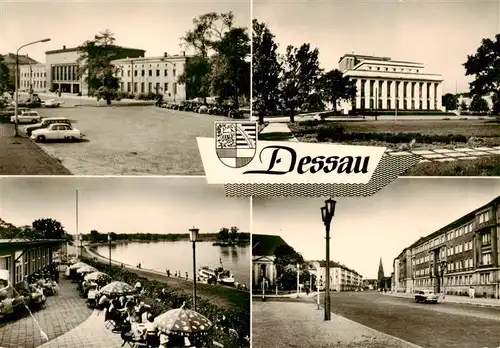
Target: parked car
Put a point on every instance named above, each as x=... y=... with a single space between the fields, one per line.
x=426 y=296
x=11 y=111
x=51 y=103
x=27 y=117
x=56 y=131
x=45 y=122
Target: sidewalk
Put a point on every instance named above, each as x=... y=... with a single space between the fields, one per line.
x=21 y=156
x=300 y=324
x=482 y=302
x=277 y=132
x=63 y=313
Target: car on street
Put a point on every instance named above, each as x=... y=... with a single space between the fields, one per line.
x=426 y=296
x=11 y=111
x=45 y=122
x=51 y=103
x=27 y=117
x=56 y=131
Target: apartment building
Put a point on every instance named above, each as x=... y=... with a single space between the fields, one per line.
x=342 y=278
x=460 y=255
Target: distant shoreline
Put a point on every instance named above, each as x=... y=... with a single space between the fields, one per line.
x=214 y=242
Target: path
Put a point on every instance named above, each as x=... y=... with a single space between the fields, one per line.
x=63 y=313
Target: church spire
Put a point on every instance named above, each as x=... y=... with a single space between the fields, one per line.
x=380 y=271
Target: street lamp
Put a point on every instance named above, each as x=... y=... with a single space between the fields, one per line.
x=327 y=213
x=109 y=240
x=16 y=125
x=193 y=236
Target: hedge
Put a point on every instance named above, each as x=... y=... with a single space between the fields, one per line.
x=231 y=332
x=338 y=133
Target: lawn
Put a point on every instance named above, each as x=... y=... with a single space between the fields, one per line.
x=486 y=166
x=431 y=133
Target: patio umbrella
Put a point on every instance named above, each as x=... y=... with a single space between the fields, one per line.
x=96 y=276
x=77 y=265
x=86 y=269
x=183 y=322
x=117 y=288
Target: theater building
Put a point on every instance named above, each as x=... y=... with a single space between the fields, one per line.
x=22 y=258
x=386 y=84
x=62 y=69
x=158 y=75
x=460 y=255
x=263 y=267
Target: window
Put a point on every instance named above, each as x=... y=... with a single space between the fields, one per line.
x=483 y=217
x=487 y=259
x=157 y=72
x=142 y=72
x=128 y=73
x=166 y=72
x=142 y=86
x=486 y=238
x=135 y=72
x=150 y=72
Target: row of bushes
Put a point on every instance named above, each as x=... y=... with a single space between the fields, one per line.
x=161 y=299
x=391 y=112
x=338 y=133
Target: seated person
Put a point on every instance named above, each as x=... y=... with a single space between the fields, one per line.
x=104 y=301
x=150 y=327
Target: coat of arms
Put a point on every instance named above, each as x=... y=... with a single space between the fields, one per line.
x=235 y=142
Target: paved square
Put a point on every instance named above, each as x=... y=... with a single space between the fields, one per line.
x=478 y=153
x=433 y=156
x=422 y=152
x=443 y=150
x=456 y=154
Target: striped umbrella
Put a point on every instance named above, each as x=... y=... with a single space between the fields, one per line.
x=86 y=269
x=117 y=288
x=183 y=322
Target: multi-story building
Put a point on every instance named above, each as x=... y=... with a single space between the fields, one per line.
x=10 y=62
x=342 y=278
x=386 y=84
x=33 y=77
x=158 y=75
x=462 y=254
x=62 y=68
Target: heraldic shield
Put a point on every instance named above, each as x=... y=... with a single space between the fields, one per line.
x=235 y=142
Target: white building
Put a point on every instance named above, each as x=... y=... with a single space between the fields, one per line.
x=386 y=84
x=342 y=278
x=156 y=75
x=33 y=77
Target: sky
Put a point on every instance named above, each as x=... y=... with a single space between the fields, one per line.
x=438 y=33
x=154 y=26
x=123 y=205
x=364 y=230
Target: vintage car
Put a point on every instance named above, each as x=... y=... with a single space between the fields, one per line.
x=426 y=296
x=56 y=131
x=27 y=117
x=45 y=122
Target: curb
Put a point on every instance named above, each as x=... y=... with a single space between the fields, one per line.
x=55 y=159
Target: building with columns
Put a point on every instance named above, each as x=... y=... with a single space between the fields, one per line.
x=263 y=268
x=463 y=254
x=386 y=84
x=158 y=75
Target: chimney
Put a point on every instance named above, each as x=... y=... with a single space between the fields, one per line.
x=165 y=54
x=64 y=47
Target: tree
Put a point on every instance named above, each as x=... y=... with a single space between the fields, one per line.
x=196 y=77
x=266 y=70
x=233 y=233
x=299 y=77
x=463 y=106
x=223 y=234
x=335 y=87
x=478 y=104
x=95 y=57
x=485 y=66
x=450 y=101
x=5 y=84
x=230 y=77
x=49 y=228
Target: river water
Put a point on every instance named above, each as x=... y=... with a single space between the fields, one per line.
x=178 y=256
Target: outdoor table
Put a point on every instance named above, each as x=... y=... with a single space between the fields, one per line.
x=138 y=329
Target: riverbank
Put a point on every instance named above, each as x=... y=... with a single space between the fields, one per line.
x=224 y=296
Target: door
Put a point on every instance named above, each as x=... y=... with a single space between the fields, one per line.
x=53 y=133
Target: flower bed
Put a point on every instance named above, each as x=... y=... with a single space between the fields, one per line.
x=232 y=327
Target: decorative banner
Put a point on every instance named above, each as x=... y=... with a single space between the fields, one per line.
x=248 y=167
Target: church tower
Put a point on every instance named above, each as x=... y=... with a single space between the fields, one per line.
x=380 y=274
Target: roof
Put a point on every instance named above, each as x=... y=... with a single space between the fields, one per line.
x=10 y=58
x=147 y=59
x=361 y=57
x=266 y=245
x=455 y=224
x=74 y=49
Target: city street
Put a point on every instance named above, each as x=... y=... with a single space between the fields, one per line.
x=427 y=325
x=132 y=140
